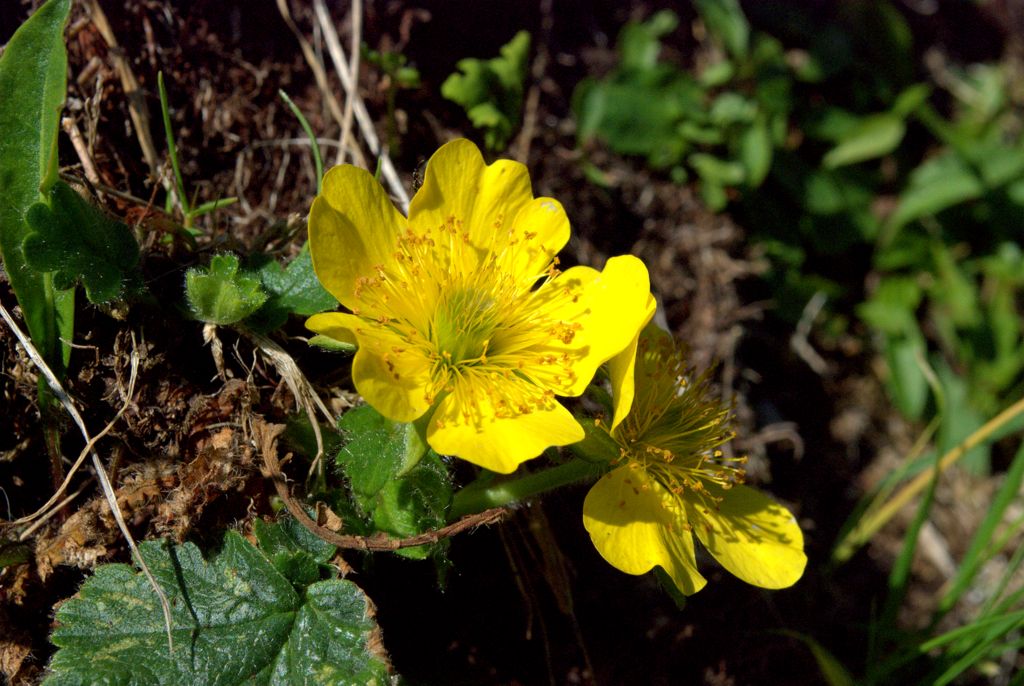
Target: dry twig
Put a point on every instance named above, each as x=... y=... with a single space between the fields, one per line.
x=101 y=473
x=351 y=86
x=266 y=436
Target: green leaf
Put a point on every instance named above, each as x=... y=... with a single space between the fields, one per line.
x=33 y=81
x=80 y=243
x=941 y=182
x=331 y=344
x=960 y=420
x=874 y=136
x=639 y=43
x=291 y=290
x=891 y=308
x=756 y=152
x=378 y=450
x=222 y=295
x=415 y=503
x=293 y=550
x=235 y=619
x=906 y=383
x=726 y=22
x=491 y=91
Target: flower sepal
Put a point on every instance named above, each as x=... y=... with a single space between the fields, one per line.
x=597 y=445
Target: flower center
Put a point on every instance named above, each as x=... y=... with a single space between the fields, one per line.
x=466 y=320
x=677 y=425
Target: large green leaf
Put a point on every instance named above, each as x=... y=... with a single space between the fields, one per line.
x=33 y=80
x=235 y=619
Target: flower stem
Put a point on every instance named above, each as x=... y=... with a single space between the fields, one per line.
x=478 y=497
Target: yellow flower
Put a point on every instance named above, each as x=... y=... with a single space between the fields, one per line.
x=673 y=481
x=460 y=313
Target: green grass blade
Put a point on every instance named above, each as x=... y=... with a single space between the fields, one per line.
x=899 y=577
x=317 y=159
x=33 y=81
x=172 y=149
x=212 y=206
x=975 y=556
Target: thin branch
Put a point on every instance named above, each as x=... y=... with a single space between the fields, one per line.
x=266 y=436
x=366 y=127
x=101 y=473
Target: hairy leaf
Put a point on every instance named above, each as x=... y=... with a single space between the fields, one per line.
x=377 y=450
x=235 y=619
x=79 y=243
x=221 y=294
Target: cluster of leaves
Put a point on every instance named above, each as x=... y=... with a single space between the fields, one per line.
x=833 y=149
x=491 y=91
x=275 y=613
x=398 y=484
x=263 y=295
x=722 y=125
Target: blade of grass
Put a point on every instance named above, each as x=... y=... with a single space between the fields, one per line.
x=867 y=527
x=317 y=159
x=982 y=539
x=899 y=577
x=172 y=150
x=212 y=206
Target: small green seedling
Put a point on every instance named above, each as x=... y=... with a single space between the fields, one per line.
x=491 y=91
x=220 y=294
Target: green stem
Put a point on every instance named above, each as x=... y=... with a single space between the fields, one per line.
x=479 y=497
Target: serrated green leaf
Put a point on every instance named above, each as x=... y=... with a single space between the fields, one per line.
x=377 y=450
x=33 y=81
x=415 y=503
x=79 y=243
x=235 y=619
x=291 y=290
x=874 y=136
x=491 y=91
x=294 y=551
x=220 y=294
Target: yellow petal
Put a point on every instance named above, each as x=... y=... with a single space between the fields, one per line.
x=540 y=230
x=336 y=325
x=752 y=536
x=621 y=371
x=398 y=385
x=491 y=205
x=352 y=229
x=636 y=524
x=466 y=425
x=610 y=307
